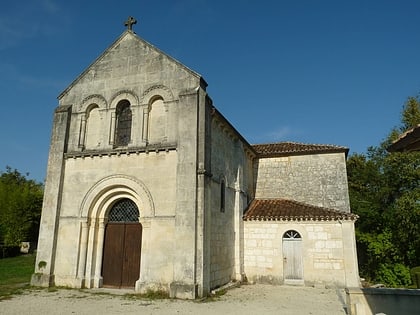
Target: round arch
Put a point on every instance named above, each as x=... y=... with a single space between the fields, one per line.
x=104 y=193
x=96 y=99
x=131 y=97
x=156 y=92
x=291 y=234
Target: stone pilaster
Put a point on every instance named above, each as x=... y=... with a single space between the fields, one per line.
x=47 y=241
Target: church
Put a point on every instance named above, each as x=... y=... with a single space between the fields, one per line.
x=150 y=187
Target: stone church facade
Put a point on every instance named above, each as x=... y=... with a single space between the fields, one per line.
x=150 y=187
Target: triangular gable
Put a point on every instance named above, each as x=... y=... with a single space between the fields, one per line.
x=291 y=210
x=125 y=34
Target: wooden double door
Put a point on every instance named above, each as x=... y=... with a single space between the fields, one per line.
x=122 y=253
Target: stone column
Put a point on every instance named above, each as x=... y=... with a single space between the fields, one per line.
x=112 y=129
x=89 y=255
x=99 y=250
x=143 y=284
x=82 y=132
x=82 y=254
x=145 y=126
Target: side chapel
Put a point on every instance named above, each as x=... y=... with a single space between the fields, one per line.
x=150 y=187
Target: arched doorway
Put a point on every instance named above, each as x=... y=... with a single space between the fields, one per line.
x=122 y=245
x=292 y=257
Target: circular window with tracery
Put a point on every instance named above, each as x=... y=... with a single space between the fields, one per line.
x=291 y=234
x=124 y=210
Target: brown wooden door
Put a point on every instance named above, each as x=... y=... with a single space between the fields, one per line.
x=122 y=252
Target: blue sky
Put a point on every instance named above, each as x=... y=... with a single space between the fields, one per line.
x=329 y=72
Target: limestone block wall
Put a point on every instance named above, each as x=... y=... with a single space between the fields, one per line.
x=83 y=174
x=318 y=179
x=149 y=168
x=133 y=70
x=222 y=239
x=327 y=254
x=130 y=65
x=231 y=168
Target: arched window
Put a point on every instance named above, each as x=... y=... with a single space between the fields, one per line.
x=124 y=210
x=123 y=124
x=291 y=234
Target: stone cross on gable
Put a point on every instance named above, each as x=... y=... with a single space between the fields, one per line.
x=130 y=22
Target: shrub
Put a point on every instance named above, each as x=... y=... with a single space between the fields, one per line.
x=393 y=275
x=415 y=276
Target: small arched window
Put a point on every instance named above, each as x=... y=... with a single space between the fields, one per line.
x=123 y=124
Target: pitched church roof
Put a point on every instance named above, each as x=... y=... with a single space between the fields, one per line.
x=295 y=148
x=291 y=210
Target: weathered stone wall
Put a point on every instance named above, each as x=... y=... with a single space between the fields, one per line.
x=131 y=70
x=158 y=165
x=319 y=179
x=47 y=240
x=231 y=165
x=82 y=174
x=326 y=252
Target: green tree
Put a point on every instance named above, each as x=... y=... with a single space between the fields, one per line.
x=385 y=192
x=20 y=207
x=411 y=114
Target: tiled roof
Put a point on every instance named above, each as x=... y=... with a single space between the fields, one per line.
x=295 y=148
x=408 y=141
x=290 y=210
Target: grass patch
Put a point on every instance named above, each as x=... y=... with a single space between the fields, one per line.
x=150 y=295
x=15 y=274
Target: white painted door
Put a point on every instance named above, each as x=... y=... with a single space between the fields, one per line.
x=292 y=256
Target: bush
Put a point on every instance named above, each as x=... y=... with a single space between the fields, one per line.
x=9 y=251
x=415 y=276
x=394 y=275
x=20 y=208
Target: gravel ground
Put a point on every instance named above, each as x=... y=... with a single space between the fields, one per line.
x=246 y=299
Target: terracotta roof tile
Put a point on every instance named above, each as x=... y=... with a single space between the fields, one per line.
x=290 y=210
x=295 y=148
x=408 y=141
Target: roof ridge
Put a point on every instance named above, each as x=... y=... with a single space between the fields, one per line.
x=289 y=147
x=300 y=143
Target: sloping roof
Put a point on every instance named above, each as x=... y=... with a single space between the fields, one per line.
x=290 y=210
x=129 y=33
x=295 y=148
x=407 y=142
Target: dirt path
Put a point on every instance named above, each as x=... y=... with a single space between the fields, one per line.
x=247 y=299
